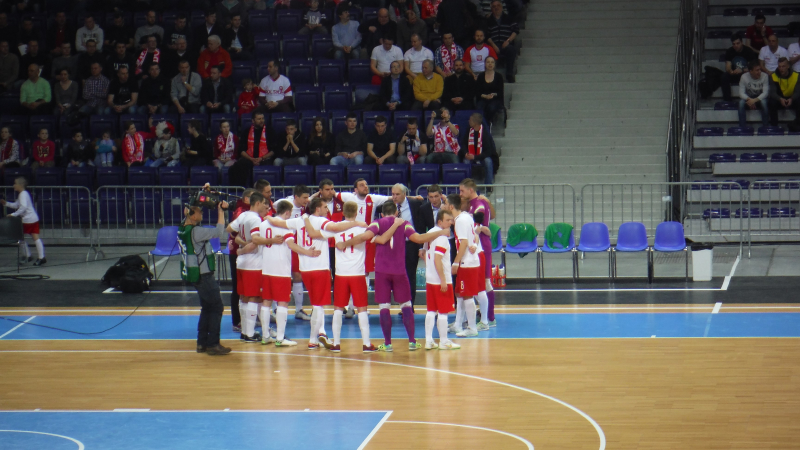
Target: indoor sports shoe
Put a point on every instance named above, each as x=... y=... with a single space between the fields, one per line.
x=40 y=262
x=267 y=340
x=250 y=340
x=467 y=333
x=218 y=350
x=273 y=333
x=237 y=329
x=414 y=346
x=452 y=328
x=431 y=345
x=385 y=348
x=301 y=315
x=483 y=327
x=449 y=345
x=313 y=346
x=285 y=343
x=335 y=348
x=350 y=313
x=201 y=349
x=323 y=339
x=368 y=348
x=492 y=323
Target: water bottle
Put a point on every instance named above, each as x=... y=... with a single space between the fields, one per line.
x=421 y=277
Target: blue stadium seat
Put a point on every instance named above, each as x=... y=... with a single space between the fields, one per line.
x=38 y=122
x=733 y=12
x=217 y=119
x=333 y=173
x=307 y=120
x=200 y=175
x=454 y=173
x=330 y=71
x=766 y=184
x=269 y=173
x=717 y=213
x=110 y=176
x=401 y=122
x=743 y=184
x=100 y=124
x=18 y=125
x=288 y=21
x=172 y=176
x=49 y=176
x=370 y=13
x=368 y=172
x=719 y=34
x=369 y=117
x=186 y=118
x=294 y=175
x=261 y=20
x=784 y=157
x=141 y=176
x=307 y=99
x=393 y=173
x=790 y=11
x=65 y=131
x=738 y=131
x=9 y=101
x=423 y=175
x=722 y=157
x=278 y=121
x=265 y=50
x=321 y=47
x=763 y=11
x=363 y=91
x=246 y=121
x=782 y=212
x=295 y=46
x=358 y=71
x=747 y=212
x=80 y=176
x=197 y=18
x=301 y=72
x=242 y=70
x=753 y=157
x=771 y=131
x=174 y=119
x=172 y=201
x=726 y=106
x=338 y=121
x=113 y=206
x=337 y=98
x=50 y=205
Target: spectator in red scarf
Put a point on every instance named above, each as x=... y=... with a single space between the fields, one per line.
x=133 y=144
x=9 y=149
x=225 y=146
x=253 y=151
x=477 y=147
x=149 y=55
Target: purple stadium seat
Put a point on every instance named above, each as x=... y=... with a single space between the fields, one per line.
x=307 y=120
x=186 y=118
x=393 y=173
x=369 y=118
x=743 y=184
x=217 y=119
x=368 y=172
x=722 y=157
x=141 y=176
x=784 y=157
x=80 y=176
x=113 y=206
x=370 y=13
x=17 y=124
x=100 y=124
x=261 y=20
x=719 y=34
x=454 y=173
x=246 y=121
x=363 y=91
x=763 y=11
x=731 y=12
x=172 y=176
x=737 y=131
x=321 y=46
x=110 y=176
x=200 y=175
x=174 y=119
x=330 y=71
x=782 y=212
x=38 y=122
x=242 y=70
x=424 y=174
x=726 y=106
x=790 y=11
x=307 y=99
x=278 y=121
x=269 y=173
x=358 y=71
x=49 y=176
x=139 y=121
x=766 y=184
x=294 y=175
x=753 y=157
x=267 y=49
x=301 y=71
x=333 y=173
x=337 y=98
x=771 y=131
x=288 y=21
x=717 y=213
x=172 y=202
x=401 y=121
x=293 y=47
x=747 y=212
x=338 y=121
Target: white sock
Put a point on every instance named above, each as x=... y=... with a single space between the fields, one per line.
x=258 y=314
x=25 y=250
x=297 y=293
x=242 y=313
x=430 y=319
x=350 y=305
x=280 y=317
x=483 y=303
x=39 y=248
x=469 y=310
x=367 y=278
x=337 y=327
x=252 y=310
x=263 y=313
x=363 y=323
x=442 y=322
x=321 y=322
x=317 y=319
x=459 y=313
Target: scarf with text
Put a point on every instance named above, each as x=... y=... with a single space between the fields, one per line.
x=226 y=147
x=449 y=57
x=442 y=134
x=475 y=141
x=262 y=144
x=134 y=147
x=7 y=149
x=142 y=56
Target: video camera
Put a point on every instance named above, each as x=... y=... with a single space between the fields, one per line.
x=206 y=198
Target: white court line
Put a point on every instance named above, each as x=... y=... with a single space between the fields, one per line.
x=717 y=306
x=14 y=329
x=158 y=263
x=508 y=291
x=730 y=275
x=374 y=430
x=80 y=444
x=197 y=410
x=131 y=410
x=601 y=435
x=521 y=439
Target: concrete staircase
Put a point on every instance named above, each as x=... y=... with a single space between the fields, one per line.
x=591 y=101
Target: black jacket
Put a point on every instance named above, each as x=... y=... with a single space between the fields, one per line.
x=371 y=40
x=488 y=150
x=426 y=212
x=244 y=38
x=169 y=67
x=225 y=92
x=406 y=92
x=155 y=91
x=280 y=140
x=201 y=35
x=459 y=86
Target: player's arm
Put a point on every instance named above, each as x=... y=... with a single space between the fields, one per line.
x=429 y=236
x=247 y=248
x=462 y=250
x=437 y=263
x=491 y=207
x=310 y=230
x=338 y=227
x=258 y=240
x=312 y=252
x=277 y=222
x=363 y=237
x=387 y=236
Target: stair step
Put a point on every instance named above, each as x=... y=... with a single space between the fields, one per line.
x=573 y=74
x=604 y=122
x=534 y=84
x=582 y=53
x=523 y=93
x=624 y=152
x=596 y=71
x=540 y=110
x=576 y=142
x=559 y=41
x=569 y=7
x=578 y=182
x=602 y=15
x=543 y=159
x=583 y=169
x=592 y=26
x=623 y=131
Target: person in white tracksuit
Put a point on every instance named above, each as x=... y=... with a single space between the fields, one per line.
x=30 y=221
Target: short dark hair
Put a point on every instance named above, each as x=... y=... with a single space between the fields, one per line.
x=380 y=119
x=282 y=206
x=256 y=197
x=291 y=123
x=442 y=212
x=753 y=64
x=388 y=36
x=736 y=37
x=351 y=115
x=325 y=182
x=454 y=200
x=760 y=17
x=127 y=125
x=434 y=188
x=181 y=16
x=412 y=121
x=247 y=193
x=358 y=180
x=301 y=189
x=261 y=184
x=196 y=124
x=783 y=59
x=210 y=12
x=389 y=209
x=314 y=204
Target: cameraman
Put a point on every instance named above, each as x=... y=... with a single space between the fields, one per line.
x=411 y=149
x=197 y=267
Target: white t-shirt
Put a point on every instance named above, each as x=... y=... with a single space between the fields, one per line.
x=465 y=229
x=793 y=51
x=386 y=58
x=276 y=258
x=248 y=223
x=309 y=263
x=275 y=90
x=297 y=211
x=415 y=58
x=366 y=205
x=477 y=58
x=24 y=207
x=349 y=262
x=440 y=246
x=771 y=59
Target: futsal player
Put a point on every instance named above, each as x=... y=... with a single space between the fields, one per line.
x=439 y=285
x=348 y=285
x=248 y=266
x=30 y=221
x=299 y=200
x=315 y=271
x=468 y=269
x=390 y=274
x=481 y=208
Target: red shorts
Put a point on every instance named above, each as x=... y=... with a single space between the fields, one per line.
x=482 y=257
x=30 y=228
x=318 y=283
x=345 y=286
x=274 y=288
x=470 y=281
x=369 y=262
x=295 y=263
x=248 y=282
x=437 y=300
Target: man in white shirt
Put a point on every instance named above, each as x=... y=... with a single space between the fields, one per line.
x=415 y=56
x=276 y=91
x=299 y=200
x=439 y=285
x=469 y=270
x=30 y=220
x=794 y=56
x=770 y=54
x=445 y=139
x=382 y=58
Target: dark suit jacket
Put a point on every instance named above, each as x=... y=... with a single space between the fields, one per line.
x=462 y=86
x=426 y=211
x=406 y=92
x=416 y=215
x=225 y=91
x=244 y=38
x=201 y=35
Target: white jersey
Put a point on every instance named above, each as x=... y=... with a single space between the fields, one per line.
x=771 y=59
x=24 y=207
x=247 y=224
x=793 y=51
x=276 y=259
x=309 y=263
x=439 y=246
x=297 y=211
x=275 y=90
x=349 y=262
x=465 y=229
x=366 y=205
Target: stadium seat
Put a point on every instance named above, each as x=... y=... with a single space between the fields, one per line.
x=401 y=122
x=174 y=119
x=370 y=13
x=307 y=99
x=321 y=46
x=224 y=179
x=100 y=124
x=454 y=173
x=242 y=70
x=186 y=118
x=80 y=176
x=200 y=175
x=742 y=184
x=726 y=106
x=717 y=213
x=295 y=46
x=782 y=212
x=217 y=119
x=765 y=184
x=790 y=11
x=333 y=173
x=269 y=173
x=358 y=71
x=36 y=123
x=733 y=12
x=424 y=175
x=368 y=119
x=278 y=121
x=594 y=239
x=171 y=203
x=719 y=34
x=50 y=205
x=784 y=157
x=307 y=119
x=113 y=206
x=739 y=131
x=747 y=212
x=288 y=21
x=555 y=247
x=49 y=176
x=18 y=125
x=9 y=101
x=81 y=210
x=65 y=131
x=363 y=91
x=294 y=175
x=139 y=121
x=390 y=174
x=526 y=246
x=300 y=71
x=771 y=131
x=752 y=157
x=172 y=176
x=166 y=244
x=141 y=176
x=246 y=121
x=338 y=121
x=330 y=70
x=670 y=238
x=337 y=98
x=261 y=20
x=711 y=131
x=722 y=157
x=265 y=50
x=631 y=237
x=368 y=172
x=763 y=11
x=110 y=176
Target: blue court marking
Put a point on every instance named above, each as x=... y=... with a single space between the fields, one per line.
x=510 y=326
x=189 y=430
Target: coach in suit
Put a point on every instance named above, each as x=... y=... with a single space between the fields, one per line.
x=428 y=212
x=410 y=209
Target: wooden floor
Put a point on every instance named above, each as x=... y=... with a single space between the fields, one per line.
x=644 y=393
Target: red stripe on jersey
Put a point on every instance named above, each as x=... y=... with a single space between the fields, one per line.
x=441 y=250
x=324 y=224
x=288 y=236
x=255 y=230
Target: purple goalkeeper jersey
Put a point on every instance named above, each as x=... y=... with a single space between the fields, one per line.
x=478 y=205
x=391 y=256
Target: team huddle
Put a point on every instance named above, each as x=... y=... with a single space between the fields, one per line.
x=298 y=241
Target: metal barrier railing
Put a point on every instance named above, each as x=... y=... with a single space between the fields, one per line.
x=65 y=214
x=539 y=205
x=711 y=211
x=773 y=208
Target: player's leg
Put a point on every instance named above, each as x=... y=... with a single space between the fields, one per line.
x=469 y=282
x=383 y=298
x=430 y=316
x=489 y=289
x=281 y=315
x=444 y=306
x=318 y=283
x=341 y=295
x=469 y=311
x=236 y=306
x=359 y=297
x=39 y=248
x=251 y=291
x=483 y=304
x=297 y=289
x=266 y=307
x=25 y=251
x=402 y=295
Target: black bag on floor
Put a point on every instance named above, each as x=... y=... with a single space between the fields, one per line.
x=712 y=80
x=130 y=274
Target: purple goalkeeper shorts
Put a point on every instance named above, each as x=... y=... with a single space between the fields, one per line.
x=386 y=283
